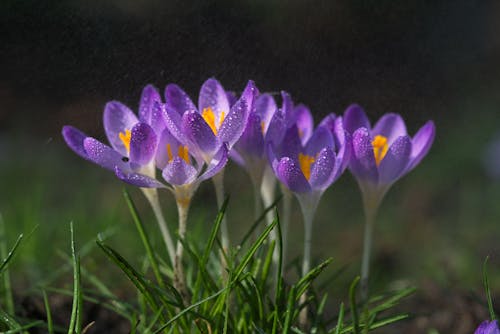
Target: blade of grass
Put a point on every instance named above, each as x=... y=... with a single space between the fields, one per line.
x=487 y=289
x=144 y=237
x=247 y=236
x=303 y=284
x=354 y=306
x=340 y=321
x=50 y=326
x=75 y=321
x=7 y=287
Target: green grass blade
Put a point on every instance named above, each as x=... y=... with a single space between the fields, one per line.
x=290 y=310
x=258 y=221
x=9 y=320
x=305 y=282
x=487 y=290
x=340 y=321
x=132 y=274
x=144 y=237
x=354 y=306
x=50 y=325
x=75 y=322
x=23 y=328
x=7 y=287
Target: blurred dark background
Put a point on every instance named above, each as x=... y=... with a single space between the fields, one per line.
x=60 y=61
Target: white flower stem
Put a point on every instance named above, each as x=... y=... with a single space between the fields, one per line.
x=371 y=202
x=287 y=212
x=308 y=204
x=218 y=181
x=179 y=277
x=152 y=197
x=267 y=192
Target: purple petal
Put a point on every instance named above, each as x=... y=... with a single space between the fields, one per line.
x=118 y=118
x=235 y=122
x=291 y=175
x=304 y=121
x=178 y=172
x=252 y=141
x=217 y=163
x=488 y=327
x=200 y=134
x=362 y=163
x=343 y=143
x=390 y=126
x=395 y=161
x=177 y=100
x=322 y=172
x=355 y=118
x=276 y=129
x=166 y=139
x=236 y=157
x=213 y=96
x=231 y=97
x=143 y=144
x=291 y=145
x=287 y=109
x=321 y=138
x=104 y=155
x=137 y=179
x=265 y=107
x=149 y=107
x=74 y=138
x=421 y=144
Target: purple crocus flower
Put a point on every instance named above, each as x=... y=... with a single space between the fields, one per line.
x=488 y=327
x=213 y=123
x=133 y=140
x=385 y=153
x=380 y=156
x=308 y=167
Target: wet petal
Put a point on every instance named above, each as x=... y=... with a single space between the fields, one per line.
x=390 y=126
x=488 y=327
x=322 y=173
x=321 y=138
x=137 y=179
x=143 y=144
x=304 y=121
x=218 y=162
x=291 y=145
x=421 y=144
x=288 y=110
x=276 y=129
x=362 y=163
x=118 y=118
x=355 y=118
x=213 y=96
x=343 y=143
x=231 y=97
x=395 y=161
x=265 y=107
x=177 y=100
x=167 y=141
x=252 y=141
x=74 y=138
x=150 y=108
x=178 y=172
x=199 y=134
x=104 y=155
x=235 y=122
x=290 y=174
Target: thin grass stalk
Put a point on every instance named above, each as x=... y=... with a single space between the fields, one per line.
x=179 y=276
x=218 y=181
x=152 y=197
x=7 y=287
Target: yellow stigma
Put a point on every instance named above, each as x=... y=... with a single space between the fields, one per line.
x=209 y=117
x=125 y=138
x=182 y=153
x=305 y=162
x=380 y=147
x=263 y=127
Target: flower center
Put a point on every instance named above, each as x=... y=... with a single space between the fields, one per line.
x=305 y=162
x=125 y=138
x=209 y=117
x=263 y=127
x=380 y=147
x=182 y=152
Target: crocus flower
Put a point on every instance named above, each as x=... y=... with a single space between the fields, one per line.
x=488 y=327
x=308 y=168
x=380 y=156
x=213 y=123
x=385 y=153
x=133 y=147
